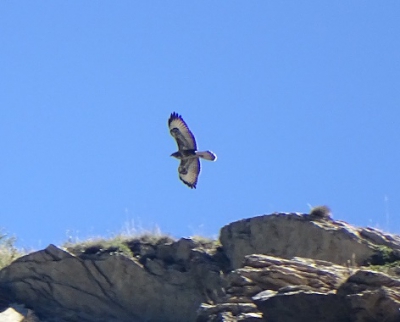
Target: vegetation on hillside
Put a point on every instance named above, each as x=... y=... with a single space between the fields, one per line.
x=8 y=251
x=131 y=241
x=123 y=244
x=386 y=260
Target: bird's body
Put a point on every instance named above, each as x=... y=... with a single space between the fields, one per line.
x=184 y=154
x=189 y=168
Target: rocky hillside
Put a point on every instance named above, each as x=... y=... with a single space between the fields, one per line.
x=279 y=267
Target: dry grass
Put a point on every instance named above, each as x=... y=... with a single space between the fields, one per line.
x=206 y=242
x=8 y=251
x=125 y=242
x=120 y=243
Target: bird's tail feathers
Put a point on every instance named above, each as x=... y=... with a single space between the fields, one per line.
x=208 y=155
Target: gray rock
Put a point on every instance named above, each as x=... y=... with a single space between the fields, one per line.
x=61 y=286
x=289 y=235
x=301 y=306
x=287 y=268
x=371 y=296
x=18 y=313
x=313 y=290
x=227 y=312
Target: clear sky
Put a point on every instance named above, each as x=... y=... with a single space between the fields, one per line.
x=300 y=100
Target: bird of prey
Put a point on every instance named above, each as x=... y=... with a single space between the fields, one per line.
x=189 y=168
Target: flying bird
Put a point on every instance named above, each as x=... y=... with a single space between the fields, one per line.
x=189 y=168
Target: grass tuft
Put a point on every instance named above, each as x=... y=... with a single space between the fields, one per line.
x=121 y=243
x=8 y=251
x=323 y=212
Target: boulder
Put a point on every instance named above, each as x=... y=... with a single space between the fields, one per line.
x=17 y=313
x=302 y=289
x=113 y=287
x=282 y=267
x=288 y=235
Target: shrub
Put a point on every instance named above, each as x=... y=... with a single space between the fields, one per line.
x=8 y=250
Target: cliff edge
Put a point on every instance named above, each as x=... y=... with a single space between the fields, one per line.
x=279 y=267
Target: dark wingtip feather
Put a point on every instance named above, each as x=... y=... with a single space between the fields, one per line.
x=190 y=185
x=174 y=116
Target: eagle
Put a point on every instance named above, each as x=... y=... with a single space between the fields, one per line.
x=189 y=168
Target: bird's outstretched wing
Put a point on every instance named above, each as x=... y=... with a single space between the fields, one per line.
x=180 y=131
x=189 y=170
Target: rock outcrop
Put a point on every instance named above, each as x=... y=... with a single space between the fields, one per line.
x=306 y=290
x=168 y=282
x=301 y=235
x=281 y=267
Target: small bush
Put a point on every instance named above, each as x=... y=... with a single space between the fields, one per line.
x=8 y=251
x=323 y=212
x=384 y=255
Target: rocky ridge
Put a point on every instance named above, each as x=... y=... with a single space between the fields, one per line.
x=279 y=267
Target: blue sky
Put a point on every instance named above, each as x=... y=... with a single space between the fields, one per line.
x=299 y=100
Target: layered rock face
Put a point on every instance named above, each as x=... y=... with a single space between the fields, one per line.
x=280 y=267
x=290 y=235
x=167 y=282
x=273 y=289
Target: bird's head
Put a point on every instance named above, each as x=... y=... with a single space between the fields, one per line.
x=176 y=155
